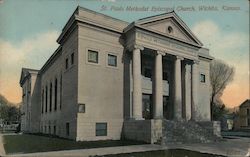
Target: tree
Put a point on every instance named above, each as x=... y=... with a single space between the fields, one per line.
x=221 y=74
x=8 y=111
x=219 y=110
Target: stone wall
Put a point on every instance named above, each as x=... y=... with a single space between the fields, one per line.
x=149 y=131
x=189 y=132
x=214 y=127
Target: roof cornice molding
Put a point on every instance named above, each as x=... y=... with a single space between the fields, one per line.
x=77 y=17
x=161 y=34
x=166 y=16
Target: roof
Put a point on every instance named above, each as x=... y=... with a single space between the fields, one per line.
x=52 y=57
x=245 y=103
x=25 y=73
x=141 y=22
x=80 y=15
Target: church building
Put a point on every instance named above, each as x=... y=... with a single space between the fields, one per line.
x=110 y=79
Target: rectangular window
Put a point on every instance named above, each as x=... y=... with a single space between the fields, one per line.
x=112 y=60
x=72 y=58
x=248 y=112
x=248 y=122
x=147 y=106
x=61 y=92
x=101 y=129
x=81 y=108
x=49 y=130
x=54 y=129
x=147 y=72
x=42 y=100
x=165 y=76
x=67 y=129
x=46 y=99
x=55 y=107
x=66 y=63
x=92 y=56
x=50 y=97
x=202 y=78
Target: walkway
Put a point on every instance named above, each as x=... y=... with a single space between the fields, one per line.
x=2 y=151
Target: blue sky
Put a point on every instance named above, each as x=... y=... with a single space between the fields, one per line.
x=29 y=28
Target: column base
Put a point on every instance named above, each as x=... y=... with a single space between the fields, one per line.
x=137 y=118
x=158 y=118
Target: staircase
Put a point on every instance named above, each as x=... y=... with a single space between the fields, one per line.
x=186 y=132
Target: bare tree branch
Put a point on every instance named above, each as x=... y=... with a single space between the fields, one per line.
x=221 y=74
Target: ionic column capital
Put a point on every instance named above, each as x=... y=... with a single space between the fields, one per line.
x=196 y=61
x=179 y=58
x=160 y=52
x=136 y=46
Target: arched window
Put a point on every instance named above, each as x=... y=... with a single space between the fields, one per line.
x=170 y=30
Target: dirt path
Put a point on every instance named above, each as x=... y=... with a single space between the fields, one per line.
x=2 y=151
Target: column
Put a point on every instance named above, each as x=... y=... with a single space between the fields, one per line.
x=137 y=87
x=158 y=95
x=195 y=82
x=188 y=89
x=178 y=90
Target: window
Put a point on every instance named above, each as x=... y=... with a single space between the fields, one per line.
x=50 y=97
x=170 y=30
x=72 y=58
x=165 y=76
x=92 y=56
x=248 y=122
x=101 y=129
x=147 y=106
x=81 y=108
x=66 y=63
x=55 y=86
x=112 y=60
x=49 y=130
x=67 y=129
x=54 y=129
x=46 y=99
x=42 y=100
x=147 y=72
x=248 y=112
x=61 y=92
x=202 y=78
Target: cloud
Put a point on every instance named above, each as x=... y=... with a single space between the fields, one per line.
x=31 y=52
x=233 y=48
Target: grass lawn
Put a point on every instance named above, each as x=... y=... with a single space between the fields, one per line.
x=165 y=153
x=27 y=143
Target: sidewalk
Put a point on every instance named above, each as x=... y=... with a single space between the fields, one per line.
x=2 y=151
x=237 y=147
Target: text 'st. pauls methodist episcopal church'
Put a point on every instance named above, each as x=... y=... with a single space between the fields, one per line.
x=110 y=79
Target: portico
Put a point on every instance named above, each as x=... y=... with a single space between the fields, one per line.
x=173 y=41
x=179 y=96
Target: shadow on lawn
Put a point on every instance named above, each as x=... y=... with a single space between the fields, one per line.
x=30 y=143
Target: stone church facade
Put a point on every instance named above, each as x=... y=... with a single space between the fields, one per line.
x=110 y=79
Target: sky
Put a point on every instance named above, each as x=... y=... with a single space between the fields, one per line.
x=29 y=29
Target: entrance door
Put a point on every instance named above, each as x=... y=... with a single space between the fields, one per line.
x=147 y=112
x=166 y=108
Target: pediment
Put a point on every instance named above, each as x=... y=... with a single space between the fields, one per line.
x=171 y=25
